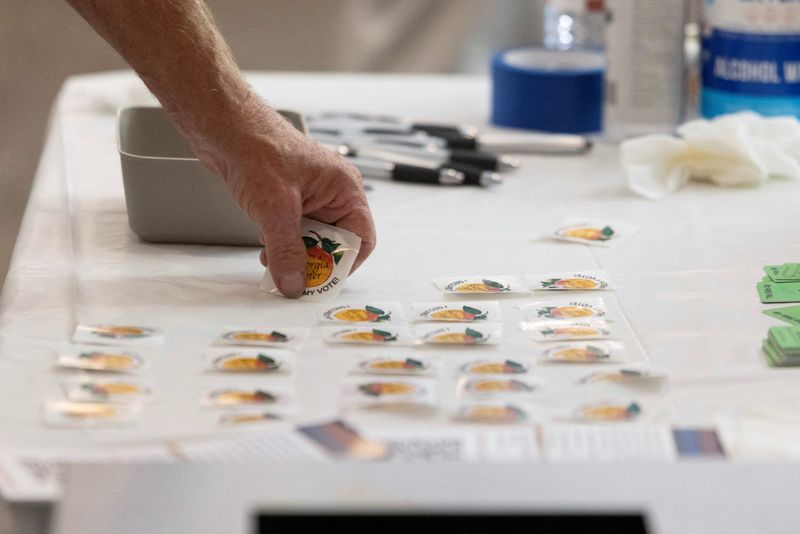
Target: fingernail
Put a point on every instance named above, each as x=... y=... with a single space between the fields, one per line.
x=292 y=285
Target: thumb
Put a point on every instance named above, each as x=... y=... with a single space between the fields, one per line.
x=286 y=253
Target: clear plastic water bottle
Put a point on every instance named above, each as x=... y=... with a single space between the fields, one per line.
x=571 y=24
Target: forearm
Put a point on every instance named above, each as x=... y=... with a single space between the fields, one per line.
x=177 y=50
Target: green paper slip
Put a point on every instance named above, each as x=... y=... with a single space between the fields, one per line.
x=770 y=292
x=788 y=272
x=773 y=271
x=774 y=358
x=789 y=314
x=785 y=338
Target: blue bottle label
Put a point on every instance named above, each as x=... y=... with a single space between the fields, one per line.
x=760 y=72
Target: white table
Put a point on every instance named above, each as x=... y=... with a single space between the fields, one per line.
x=684 y=295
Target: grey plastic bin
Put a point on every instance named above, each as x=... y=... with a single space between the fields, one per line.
x=171 y=197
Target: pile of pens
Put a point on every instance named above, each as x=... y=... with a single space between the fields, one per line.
x=390 y=148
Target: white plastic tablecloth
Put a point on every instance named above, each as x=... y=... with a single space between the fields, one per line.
x=683 y=286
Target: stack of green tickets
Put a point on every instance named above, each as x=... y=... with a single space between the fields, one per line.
x=782 y=283
x=782 y=346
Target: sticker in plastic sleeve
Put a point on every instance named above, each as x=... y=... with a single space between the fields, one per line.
x=108 y=334
x=330 y=253
x=459 y=334
x=362 y=313
x=592 y=232
x=580 y=352
x=247 y=418
x=495 y=386
x=577 y=281
x=390 y=391
x=459 y=312
x=78 y=414
x=624 y=375
x=399 y=366
x=366 y=335
x=101 y=359
x=484 y=285
x=491 y=413
x=495 y=367
x=115 y=391
x=609 y=412
x=266 y=361
x=558 y=330
x=263 y=337
x=564 y=309
x=230 y=397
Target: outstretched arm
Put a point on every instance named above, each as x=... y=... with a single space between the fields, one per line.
x=275 y=173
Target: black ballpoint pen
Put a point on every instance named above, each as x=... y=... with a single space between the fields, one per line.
x=401 y=172
x=426 y=157
x=413 y=166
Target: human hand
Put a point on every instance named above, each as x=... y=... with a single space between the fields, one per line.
x=278 y=175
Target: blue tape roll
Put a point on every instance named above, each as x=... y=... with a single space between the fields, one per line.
x=548 y=90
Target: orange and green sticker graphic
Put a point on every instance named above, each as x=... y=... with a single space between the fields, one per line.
x=109 y=361
x=387 y=389
x=251 y=336
x=238 y=396
x=492 y=413
x=367 y=314
x=588 y=233
x=571 y=312
x=494 y=386
x=394 y=366
x=469 y=336
x=237 y=362
x=322 y=256
x=370 y=336
x=570 y=283
x=506 y=367
x=484 y=286
x=465 y=314
x=610 y=412
x=579 y=353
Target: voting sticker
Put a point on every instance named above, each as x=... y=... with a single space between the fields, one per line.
x=108 y=334
x=491 y=413
x=330 y=254
x=579 y=352
x=564 y=309
x=623 y=375
x=388 y=391
x=365 y=335
x=263 y=337
x=232 y=396
x=609 y=412
x=556 y=330
x=265 y=361
x=495 y=386
x=67 y=414
x=495 y=367
x=593 y=232
x=115 y=391
x=101 y=359
x=375 y=312
x=459 y=334
x=398 y=366
x=482 y=285
x=247 y=418
x=459 y=312
x=575 y=281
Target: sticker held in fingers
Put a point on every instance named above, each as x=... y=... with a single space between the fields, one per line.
x=330 y=255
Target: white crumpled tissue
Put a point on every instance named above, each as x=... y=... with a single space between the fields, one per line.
x=742 y=149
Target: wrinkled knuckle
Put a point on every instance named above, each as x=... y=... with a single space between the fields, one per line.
x=286 y=252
